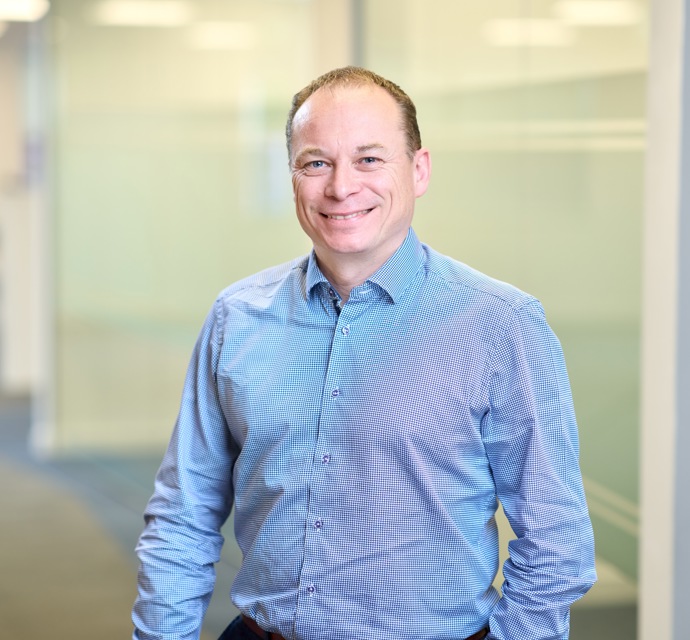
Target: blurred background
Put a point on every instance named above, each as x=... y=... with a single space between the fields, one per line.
x=143 y=168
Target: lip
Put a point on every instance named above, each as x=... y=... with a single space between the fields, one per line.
x=347 y=216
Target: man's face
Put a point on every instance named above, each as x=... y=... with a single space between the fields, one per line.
x=354 y=181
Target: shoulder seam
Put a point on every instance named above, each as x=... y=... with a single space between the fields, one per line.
x=254 y=281
x=519 y=300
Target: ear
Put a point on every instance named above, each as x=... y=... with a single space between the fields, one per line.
x=422 y=171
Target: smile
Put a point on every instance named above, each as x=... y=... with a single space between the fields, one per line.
x=346 y=216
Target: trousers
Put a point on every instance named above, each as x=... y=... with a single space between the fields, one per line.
x=238 y=630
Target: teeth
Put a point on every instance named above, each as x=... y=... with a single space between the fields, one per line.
x=349 y=215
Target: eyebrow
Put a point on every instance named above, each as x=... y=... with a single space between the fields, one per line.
x=376 y=146
x=309 y=151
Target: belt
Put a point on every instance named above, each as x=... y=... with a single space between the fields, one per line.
x=269 y=635
x=266 y=635
x=479 y=635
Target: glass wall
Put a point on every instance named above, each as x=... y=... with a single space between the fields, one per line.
x=535 y=117
x=170 y=181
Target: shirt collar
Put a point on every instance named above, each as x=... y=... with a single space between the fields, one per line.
x=394 y=276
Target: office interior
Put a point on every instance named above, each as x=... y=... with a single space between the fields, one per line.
x=143 y=168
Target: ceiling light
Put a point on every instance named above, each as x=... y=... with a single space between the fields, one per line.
x=222 y=35
x=142 y=13
x=598 y=12
x=23 y=10
x=527 y=32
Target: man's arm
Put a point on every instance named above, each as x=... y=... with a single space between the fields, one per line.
x=193 y=496
x=530 y=434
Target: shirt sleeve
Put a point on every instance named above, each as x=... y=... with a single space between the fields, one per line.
x=193 y=496
x=531 y=439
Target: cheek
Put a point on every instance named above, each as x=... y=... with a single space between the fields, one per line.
x=307 y=194
x=301 y=198
x=300 y=190
x=297 y=195
x=399 y=190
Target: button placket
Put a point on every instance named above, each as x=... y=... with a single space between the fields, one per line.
x=333 y=394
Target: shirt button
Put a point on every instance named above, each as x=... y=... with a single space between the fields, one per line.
x=326 y=458
x=311 y=589
x=335 y=393
x=318 y=524
x=346 y=330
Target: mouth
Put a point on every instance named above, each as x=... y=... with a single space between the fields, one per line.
x=346 y=216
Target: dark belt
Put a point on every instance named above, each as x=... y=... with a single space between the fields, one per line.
x=479 y=635
x=269 y=635
x=266 y=635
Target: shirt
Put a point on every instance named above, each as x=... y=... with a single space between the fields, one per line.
x=365 y=450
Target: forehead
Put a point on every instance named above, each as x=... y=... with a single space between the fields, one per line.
x=337 y=112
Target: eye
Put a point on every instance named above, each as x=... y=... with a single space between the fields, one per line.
x=369 y=162
x=314 y=167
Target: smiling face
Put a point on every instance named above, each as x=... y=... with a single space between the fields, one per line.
x=354 y=178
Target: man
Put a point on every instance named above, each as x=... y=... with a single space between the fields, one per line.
x=364 y=408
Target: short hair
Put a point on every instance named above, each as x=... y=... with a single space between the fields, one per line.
x=357 y=77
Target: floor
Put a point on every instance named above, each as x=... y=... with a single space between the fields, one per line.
x=69 y=526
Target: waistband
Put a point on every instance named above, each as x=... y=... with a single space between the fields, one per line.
x=269 y=635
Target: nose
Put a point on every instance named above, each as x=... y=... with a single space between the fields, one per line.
x=342 y=182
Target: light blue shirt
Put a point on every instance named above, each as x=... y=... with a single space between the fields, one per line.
x=365 y=452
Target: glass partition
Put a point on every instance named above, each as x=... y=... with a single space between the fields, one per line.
x=170 y=181
x=534 y=114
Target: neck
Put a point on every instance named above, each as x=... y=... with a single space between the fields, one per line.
x=345 y=275
x=345 y=271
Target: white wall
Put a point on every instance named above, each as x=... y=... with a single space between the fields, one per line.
x=16 y=361
x=665 y=417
